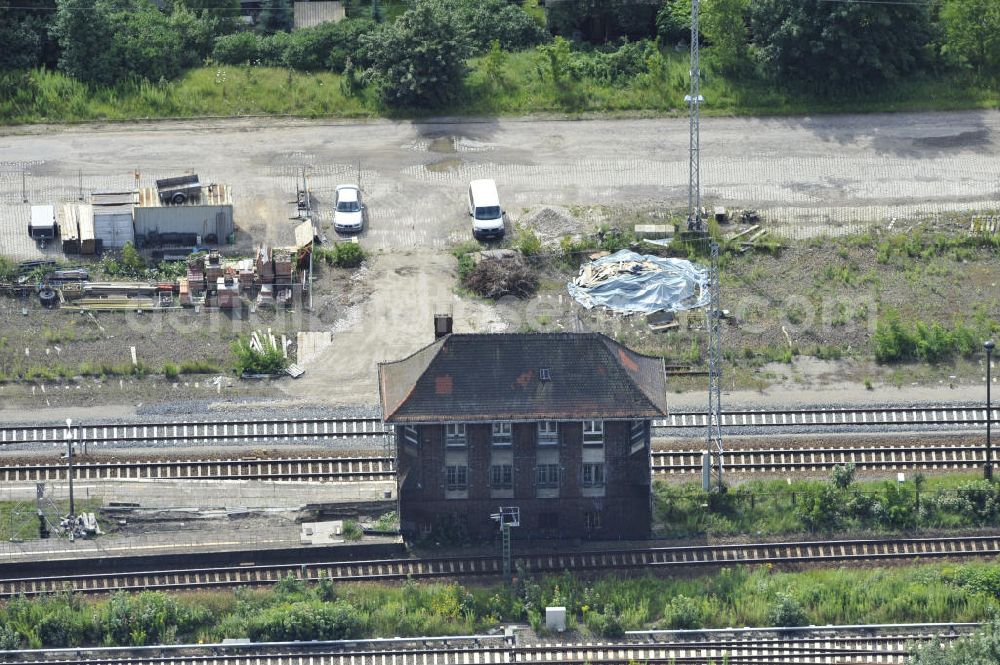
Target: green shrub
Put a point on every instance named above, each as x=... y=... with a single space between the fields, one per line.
x=606 y=624
x=237 y=48
x=170 y=370
x=149 y=617
x=527 y=242
x=10 y=639
x=843 y=475
x=682 y=613
x=351 y=530
x=268 y=360
x=342 y=255
x=306 y=620
x=62 y=627
x=787 y=612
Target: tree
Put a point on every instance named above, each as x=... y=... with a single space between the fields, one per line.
x=972 y=34
x=827 y=48
x=24 y=35
x=275 y=16
x=601 y=21
x=145 y=43
x=724 y=25
x=420 y=58
x=85 y=32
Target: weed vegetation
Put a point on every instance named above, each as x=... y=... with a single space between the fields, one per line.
x=773 y=507
x=294 y=610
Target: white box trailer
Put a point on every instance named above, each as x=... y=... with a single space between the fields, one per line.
x=43 y=223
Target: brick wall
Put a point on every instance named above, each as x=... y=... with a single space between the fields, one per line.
x=624 y=511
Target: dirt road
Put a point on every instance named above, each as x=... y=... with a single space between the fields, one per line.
x=807 y=170
x=809 y=173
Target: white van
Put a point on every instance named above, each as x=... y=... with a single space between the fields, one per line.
x=484 y=208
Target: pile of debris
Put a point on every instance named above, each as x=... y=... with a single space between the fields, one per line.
x=629 y=283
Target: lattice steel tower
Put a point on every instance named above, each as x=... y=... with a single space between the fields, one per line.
x=714 y=449
x=694 y=101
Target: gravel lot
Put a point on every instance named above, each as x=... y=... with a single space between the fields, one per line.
x=831 y=174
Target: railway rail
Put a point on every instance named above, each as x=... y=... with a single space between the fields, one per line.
x=370 y=468
x=337 y=429
x=244 y=573
x=886 y=647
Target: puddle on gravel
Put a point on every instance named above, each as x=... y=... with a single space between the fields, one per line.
x=444 y=165
x=442 y=144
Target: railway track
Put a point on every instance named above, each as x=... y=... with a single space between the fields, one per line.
x=319 y=430
x=318 y=469
x=243 y=573
x=369 y=468
x=829 y=644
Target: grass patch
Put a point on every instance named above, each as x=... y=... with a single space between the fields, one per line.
x=736 y=596
x=522 y=86
x=773 y=507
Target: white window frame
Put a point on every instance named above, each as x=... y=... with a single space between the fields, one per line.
x=547 y=475
x=548 y=433
x=593 y=432
x=502 y=434
x=592 y=520
x=456 y=478
x=455 y=435
x=593 y=474
x=502 y=476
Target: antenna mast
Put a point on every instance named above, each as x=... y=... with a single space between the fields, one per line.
x=714 y=450
x=694 y=101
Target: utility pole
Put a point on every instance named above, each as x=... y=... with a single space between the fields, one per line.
x=713 y=453
x=988 y=467
x=508 y=517
x=694 y=101
x=69 y=464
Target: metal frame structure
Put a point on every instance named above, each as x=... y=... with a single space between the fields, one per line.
x=714 y=431
x=508 y=517
x=694 y=101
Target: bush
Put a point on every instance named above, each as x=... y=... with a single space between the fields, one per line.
x=787 y=612
x=605 y=624
x=682 y=613
x=170 y=370
x=351 y=530
x=237 y=49
x=62 y=627
x=495 y=278
x=527 y=242
x=268 y=360
x=149 y=617
x=326 y=46
x=9 y=638
x=342 y=255
x=306 y=620
x=843 y=475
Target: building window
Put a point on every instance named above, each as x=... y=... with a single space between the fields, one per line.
x=548 y=433
x=502 y=476
x=454 y=435
x=547 y=475
x=593 y=475
x=457 y=478
x=593 y=432
x=592 y=521
x=502 y=434
x=548 y=520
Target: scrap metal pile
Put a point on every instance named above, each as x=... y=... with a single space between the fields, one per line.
x=631 y=283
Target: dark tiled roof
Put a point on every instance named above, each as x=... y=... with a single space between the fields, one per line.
x=467 y=378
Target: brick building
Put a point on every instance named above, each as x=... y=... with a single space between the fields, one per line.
x=555 y=424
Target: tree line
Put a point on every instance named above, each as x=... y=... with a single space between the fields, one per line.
x=817 y=48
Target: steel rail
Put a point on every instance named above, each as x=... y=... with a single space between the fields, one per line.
x=452 y=567
x=367 y=468
x=279 y=469
x=329 y=429
x=769 y=645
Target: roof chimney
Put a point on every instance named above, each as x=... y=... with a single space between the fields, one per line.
x=442 y=325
